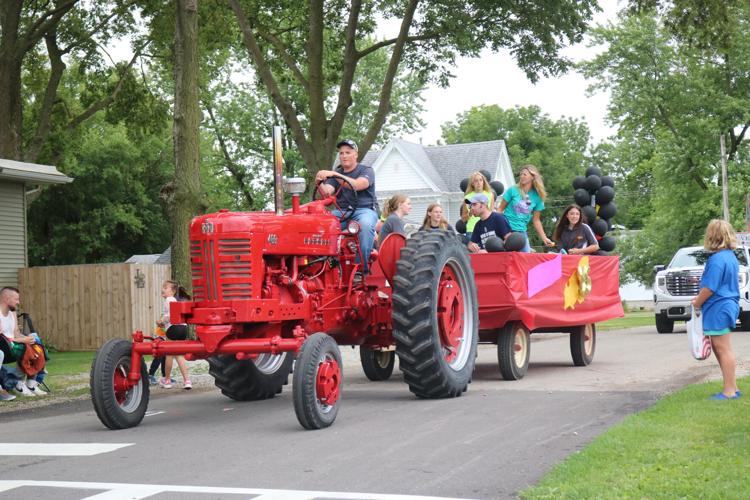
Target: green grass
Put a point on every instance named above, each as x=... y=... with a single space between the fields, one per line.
x=630 y=320
x=683 y=447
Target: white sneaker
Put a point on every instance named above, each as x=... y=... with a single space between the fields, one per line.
x=25 y=391
x=37 y=390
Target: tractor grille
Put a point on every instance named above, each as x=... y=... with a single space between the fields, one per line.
x=221 y=269
x=684 y=283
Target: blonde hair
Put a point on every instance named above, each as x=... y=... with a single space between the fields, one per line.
x=719 y=235
x=393 y=203
x=485 y=183
x=443 y=224
x=537 y=180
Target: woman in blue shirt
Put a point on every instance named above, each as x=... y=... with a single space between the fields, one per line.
x=524 y=202
x=719 y=298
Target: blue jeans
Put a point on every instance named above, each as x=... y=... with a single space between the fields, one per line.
x=367 y=219
x=11 y=375
x=526 y=248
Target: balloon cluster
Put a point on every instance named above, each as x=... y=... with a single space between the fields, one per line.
x=496 y=186
x=595 y=194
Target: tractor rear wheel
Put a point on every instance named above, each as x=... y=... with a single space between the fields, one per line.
x=435 y=318
x=117 y=406
x=251 y=379
x=513 y=350
x=583 y=344
x=317 y=382
x=377 y=365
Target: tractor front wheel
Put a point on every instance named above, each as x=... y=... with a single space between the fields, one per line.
x=513 y=350
x=317 y=382
x=377 y=365
x=117 y=406
x=435 y=317
x=251 y=379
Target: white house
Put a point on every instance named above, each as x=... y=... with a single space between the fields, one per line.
x=429 y=174
x=19 y=181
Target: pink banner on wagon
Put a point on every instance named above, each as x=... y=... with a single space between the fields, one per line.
x=544 y=275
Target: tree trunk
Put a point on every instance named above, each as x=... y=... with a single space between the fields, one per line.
x=10 y=80
x=186 y=201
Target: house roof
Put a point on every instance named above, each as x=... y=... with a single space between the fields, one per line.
x=447 y=165
x=31 y=172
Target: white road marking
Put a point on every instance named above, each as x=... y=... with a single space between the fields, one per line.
x=152 y=413
x=123 y=491
x=60 y=449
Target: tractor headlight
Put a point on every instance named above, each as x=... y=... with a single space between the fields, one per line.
x=353 y=227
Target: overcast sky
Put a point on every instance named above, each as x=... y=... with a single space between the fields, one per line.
x=496 y=79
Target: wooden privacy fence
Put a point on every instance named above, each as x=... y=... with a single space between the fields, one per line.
x=81 y=307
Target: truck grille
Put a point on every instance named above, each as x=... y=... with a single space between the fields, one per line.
x=221 y=269
x=684 y=283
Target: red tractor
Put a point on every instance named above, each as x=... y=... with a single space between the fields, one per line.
x=276 y=292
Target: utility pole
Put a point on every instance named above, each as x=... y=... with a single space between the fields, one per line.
x=724 y=187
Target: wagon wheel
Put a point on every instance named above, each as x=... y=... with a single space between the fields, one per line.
x=377 y=365
x=317 y=382
x=346 y=213
x=583 y=344
x=513 y=349
x=435 y=318
x=117 y=406
x=251 y=379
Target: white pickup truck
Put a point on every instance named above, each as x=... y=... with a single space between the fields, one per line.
x=679 y=282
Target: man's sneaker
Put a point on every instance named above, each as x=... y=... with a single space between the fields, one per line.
x=167 y=384
x=25 y=391
x=188 y=385
x=38 y=391
x=6 y=396
x=152 y=380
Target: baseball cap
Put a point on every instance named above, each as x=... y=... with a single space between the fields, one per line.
x=478 y=198
x=348 y=142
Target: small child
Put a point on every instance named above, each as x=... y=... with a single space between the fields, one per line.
x=719 y=297
x=169 y=290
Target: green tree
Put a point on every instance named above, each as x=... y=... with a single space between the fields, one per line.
x=671 y=100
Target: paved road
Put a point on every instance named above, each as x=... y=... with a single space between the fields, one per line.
x=495 y=440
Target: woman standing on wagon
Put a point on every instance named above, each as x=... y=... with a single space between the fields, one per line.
x=524 y=202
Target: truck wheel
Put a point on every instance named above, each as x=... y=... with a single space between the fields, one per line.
x=745 y=321
x=583 y=344
x=317 y=382
x=251 y=379
x=377 y=365
x=116 y=406
x=435 y=319
x=664 y=324
x=513 y=350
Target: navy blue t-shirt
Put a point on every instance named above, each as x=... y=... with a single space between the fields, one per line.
x=365 y=198
x=494 y=225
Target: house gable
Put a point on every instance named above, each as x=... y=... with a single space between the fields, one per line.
x=396 y=171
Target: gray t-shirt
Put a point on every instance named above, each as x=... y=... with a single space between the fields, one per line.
x=393 y=224
x=365 y=198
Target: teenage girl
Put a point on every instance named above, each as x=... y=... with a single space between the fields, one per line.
x=169 y=291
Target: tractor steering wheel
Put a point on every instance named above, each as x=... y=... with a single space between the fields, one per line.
x=346 y=213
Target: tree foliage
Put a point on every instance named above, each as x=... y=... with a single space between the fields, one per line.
x=672 y=100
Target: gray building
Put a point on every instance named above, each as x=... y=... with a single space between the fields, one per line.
x=19 y=183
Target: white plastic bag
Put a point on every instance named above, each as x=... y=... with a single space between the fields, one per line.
x=700 y=344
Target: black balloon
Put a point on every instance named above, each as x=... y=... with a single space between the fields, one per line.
x=582 y=197
x=494 y=244
x=607 y=243
x=464 y=185
x=600 y=227
x=593 y=171
x=461 y=226
x=515 y=242
x=498 y=187
x=579 y=182
x=608 y=181
x=487 y=175
x=589 y=212
x=605 y=194
x=608 y=210
x=593 y=182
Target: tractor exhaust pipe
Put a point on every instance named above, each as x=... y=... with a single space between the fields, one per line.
x=278 y=163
